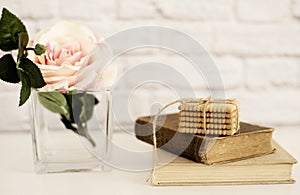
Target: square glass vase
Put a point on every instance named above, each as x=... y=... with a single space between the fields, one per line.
x=74 y=137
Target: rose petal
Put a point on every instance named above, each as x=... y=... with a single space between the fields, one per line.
x=86 y=81
x=73 y=60
x=90 y=70
x=57 y=86
x=67 y=29
x=52 y=71
x=108 y=78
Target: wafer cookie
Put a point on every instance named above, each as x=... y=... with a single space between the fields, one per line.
x=207 y=125
x=207 y=131
x=208 y=120
x=207 y=114
x=214 y=107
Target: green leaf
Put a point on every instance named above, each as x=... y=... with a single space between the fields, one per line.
x=8 y=70
x=33 y=72
x=75 y=105
x=81 y=110
x=10 y=28
x=26 y=89
x=88 y=103
x=75 y=109
x=55 y=102
x=39 y=49
x=82 y=131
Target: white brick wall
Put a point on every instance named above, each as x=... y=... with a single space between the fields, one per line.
x=255 y=44
x=258 y=40
x=130 y=9
x=265 y=72
x=210 y=10
x=263 y=10
x=31 y=9
x=296 y=8
x=87 y=10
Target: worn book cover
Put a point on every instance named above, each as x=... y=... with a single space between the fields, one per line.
x=251 y=141
x=267 y=169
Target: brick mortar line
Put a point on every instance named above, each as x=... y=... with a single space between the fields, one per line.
x=224 y=54
x=254 y=55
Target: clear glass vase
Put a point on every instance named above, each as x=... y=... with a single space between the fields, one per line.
x=63 y=146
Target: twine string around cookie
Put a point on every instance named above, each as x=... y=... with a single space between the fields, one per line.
x=202 y=101
x=209 y=100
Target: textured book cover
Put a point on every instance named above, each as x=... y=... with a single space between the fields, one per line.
x=251 y=141
x=273 y=168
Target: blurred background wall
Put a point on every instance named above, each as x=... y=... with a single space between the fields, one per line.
x=255 y=44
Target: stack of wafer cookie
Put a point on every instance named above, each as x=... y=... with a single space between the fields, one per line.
x=207 y=116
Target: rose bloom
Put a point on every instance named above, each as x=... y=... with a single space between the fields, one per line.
x=74 y=59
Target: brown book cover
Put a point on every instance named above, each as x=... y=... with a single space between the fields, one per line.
x=251 y=141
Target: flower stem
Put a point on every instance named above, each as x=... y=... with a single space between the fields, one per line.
x=29 y=48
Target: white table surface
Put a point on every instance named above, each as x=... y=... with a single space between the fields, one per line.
x=17 y=175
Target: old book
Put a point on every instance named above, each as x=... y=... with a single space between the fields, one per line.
x=251 y=141
x=268 y=169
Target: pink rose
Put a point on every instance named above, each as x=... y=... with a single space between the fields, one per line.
x=73 y=59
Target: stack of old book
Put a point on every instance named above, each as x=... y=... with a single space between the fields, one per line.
x=219 y=150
